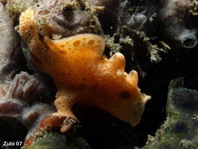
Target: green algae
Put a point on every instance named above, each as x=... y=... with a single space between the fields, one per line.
x=180 y=130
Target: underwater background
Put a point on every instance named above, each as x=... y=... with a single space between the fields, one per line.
x=158 y=39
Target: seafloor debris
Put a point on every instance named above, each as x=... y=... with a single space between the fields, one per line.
x=15 y=7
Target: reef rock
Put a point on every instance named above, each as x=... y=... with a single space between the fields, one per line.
x=20 y=104
x=54 y=140
x=174 y=15
x=180 y=128
x=62 y=18
x=7 y=37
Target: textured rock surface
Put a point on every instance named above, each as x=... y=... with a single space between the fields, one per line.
x=22 y=106
x=174 y=14
x=7 y=36
x=53 y=140
x=181 y=127
x=62 y=18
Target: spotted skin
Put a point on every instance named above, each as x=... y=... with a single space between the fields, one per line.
x=83 y=75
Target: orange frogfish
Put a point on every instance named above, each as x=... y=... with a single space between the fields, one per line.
x=83 y=75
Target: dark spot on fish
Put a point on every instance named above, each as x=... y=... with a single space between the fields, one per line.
x=125 y=94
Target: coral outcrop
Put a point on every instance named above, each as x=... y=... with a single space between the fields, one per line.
x=180 y=128
x=7 y=36
x=22 y=106
x=174 y=14
x=63 y=18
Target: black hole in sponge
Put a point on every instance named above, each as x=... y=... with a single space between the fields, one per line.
x=189 y=43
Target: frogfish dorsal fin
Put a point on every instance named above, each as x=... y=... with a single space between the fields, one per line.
x=83 y=42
